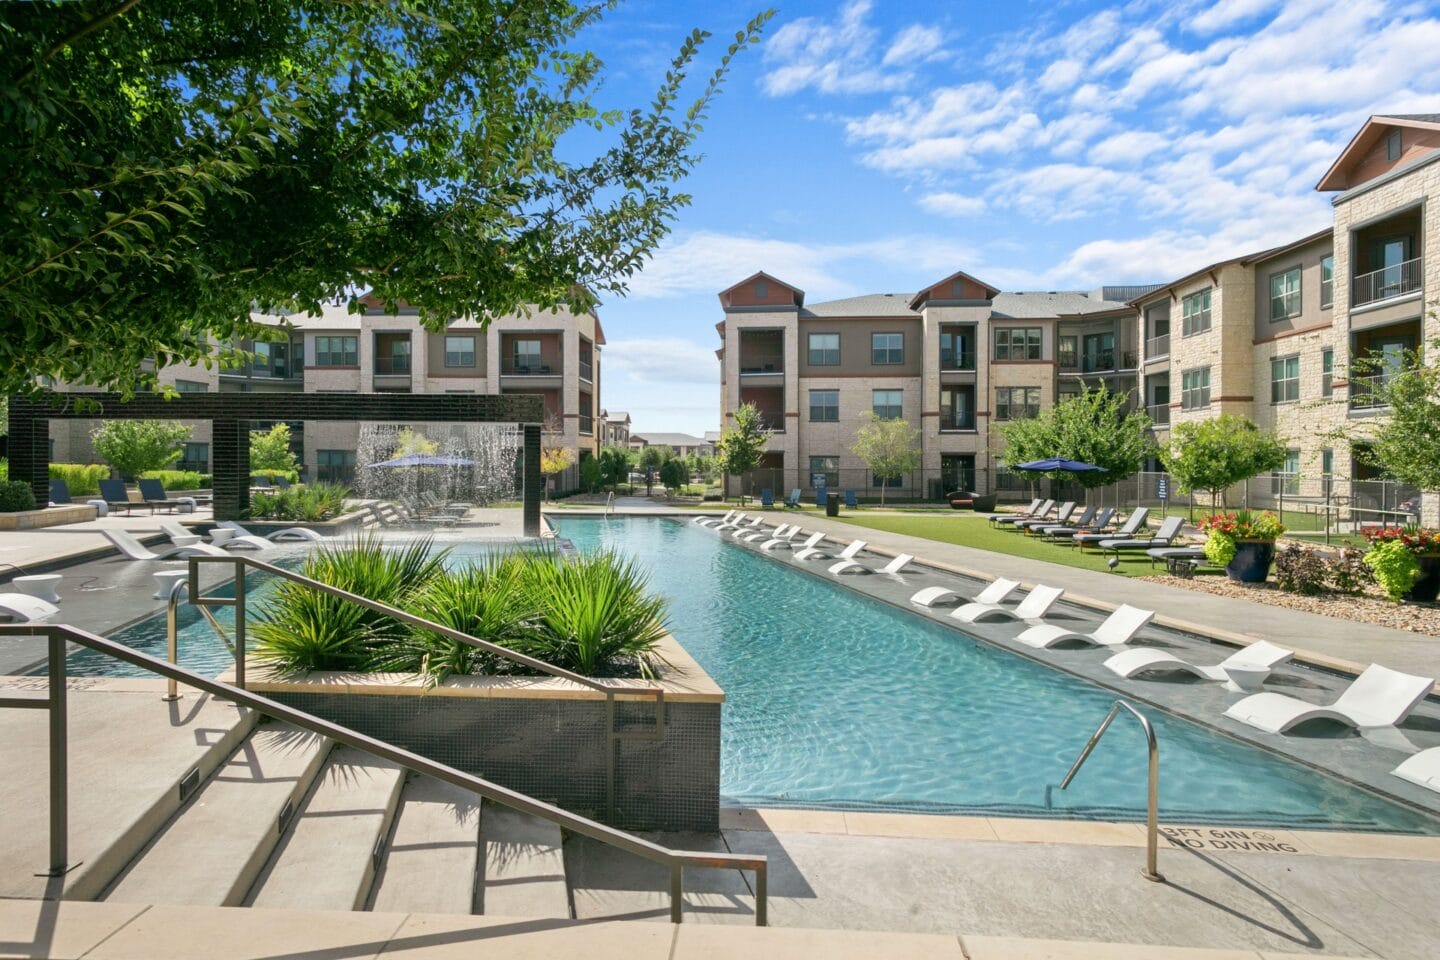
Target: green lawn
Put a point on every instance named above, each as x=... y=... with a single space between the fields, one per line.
x=972 y=531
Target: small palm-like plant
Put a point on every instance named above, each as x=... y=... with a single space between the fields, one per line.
x=311 y=503
x=594 y=614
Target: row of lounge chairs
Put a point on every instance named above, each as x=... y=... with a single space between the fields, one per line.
x=1091 y=528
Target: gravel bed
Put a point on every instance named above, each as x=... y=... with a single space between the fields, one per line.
x=1368 y=607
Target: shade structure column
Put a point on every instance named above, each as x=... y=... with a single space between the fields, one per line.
x=532 y=480
x=230 y=467
x=29 y=448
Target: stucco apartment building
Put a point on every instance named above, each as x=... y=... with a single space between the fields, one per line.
x=552 y=353
x=1271 y=335
x=954 y=359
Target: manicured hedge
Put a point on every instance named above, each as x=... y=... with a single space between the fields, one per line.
x=16 y=495
x=180 y=479
x=292 y=475
x=82 y=479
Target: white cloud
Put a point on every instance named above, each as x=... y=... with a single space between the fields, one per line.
x=1060 y=75
x=953 y=204
x=841 y=56
x=1228 y=12
x=915 y=42
x=1128 y=148
x=670 y=360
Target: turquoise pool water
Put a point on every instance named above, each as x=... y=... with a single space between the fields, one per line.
x=836 y=700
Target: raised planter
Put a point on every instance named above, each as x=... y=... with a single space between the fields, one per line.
x=48 y=517
x=1427 y=588
x=544 y=736
x=1252 y=560
x=344 y=523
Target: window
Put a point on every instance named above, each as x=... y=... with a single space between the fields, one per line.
x=190 y=386
x=1285 y=294
x=336 y=352
x=1327 y=373
x=196 y=456
x=824 y=406
x=1017 y=403
x=335 y=466
x=1284 y=379
x=825 y=471
x=1069 y=353
x=956 y=349
x=1327 y=462
x=1286 y=480
x=1392 y=146
x=1195 y=388
x=888 y=404
x=527 y=356
x=1195 y=313
x=459 y=351
x=1017 y=343
x=824 y=349
x=1099 y=352
x=957 y=408
x=887 y=348
x=1327 y=281
x=762 y=290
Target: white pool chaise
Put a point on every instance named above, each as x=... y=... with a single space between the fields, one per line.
x=817 y=553
x=788 y=541
x=715 y=521
x=783 y=532
x=21 y=607
x=734 y=521
x=135 y=550
x=756 y=522
x=247 y=541
x=289 y=533
x=1119 y=628
x=855 y=566
x=1379 y=697
x=1259 y=655
x=997 y=591
x=1032 y=609
x=1423 y=769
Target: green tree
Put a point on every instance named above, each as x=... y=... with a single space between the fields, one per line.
x=890 y=448
x=591 y=474
x=1216 y=454
x=743 y=443
x=615 y=465
x=1094 y=427
x=413 y=443
x=270 y=449
x=555 y=461
x=135 y=446
x=674 y=474
x=185 y=163
x=1406 y=443
x=652 y=458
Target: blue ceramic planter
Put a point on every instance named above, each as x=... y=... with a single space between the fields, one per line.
x=1251 y=563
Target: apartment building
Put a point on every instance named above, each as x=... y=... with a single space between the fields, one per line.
x=552 y=353
x=617 y=429
x=954 y=359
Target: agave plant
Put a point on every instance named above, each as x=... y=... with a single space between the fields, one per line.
x=300 y=629
x=311 y=503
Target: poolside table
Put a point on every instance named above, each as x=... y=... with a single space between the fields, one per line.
x=42 y=586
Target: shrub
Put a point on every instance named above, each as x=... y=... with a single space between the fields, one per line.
x=593 y=613
x=1395 y=566
x=311 y=503
x=16 y=495
x=1348 y=572
x=180 y=479
x=134 y=446
x=292 y=475
x=81 y=479
x=4 y=469
x=1302 y=571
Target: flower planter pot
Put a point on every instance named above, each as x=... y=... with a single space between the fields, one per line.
x=1251 y=563
x=1427 y=588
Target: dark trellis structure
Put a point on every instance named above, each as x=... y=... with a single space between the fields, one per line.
x=230 y=415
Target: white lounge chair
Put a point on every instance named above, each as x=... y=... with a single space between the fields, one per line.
x=1423 y=769
x=1259 y=655
x=735 y=521
x=998 y=590
x=751 y=536
x=183 y=536
x=756 y=522
x=22 y=607
x=788 y=542
x=289 y=533
x=1032 y=609
x=1379 y=697
x=136 y=550
x=715 y=521
x=1120 y=627
x=855 y=566
x=818 y=553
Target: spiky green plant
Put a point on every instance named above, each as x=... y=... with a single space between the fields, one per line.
x=311 y=503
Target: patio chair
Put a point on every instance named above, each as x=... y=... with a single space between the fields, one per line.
x=762 y=534
x=22 y=608
x=1379 y=697
x=135 y=550
x=1085 y=519
x=59 y=493
x=1172 y=557
x=289 y=533
x=1027 y=512
x=787 y=542
x=735 y=521
x=115 y=496
x=1032 y=609
x=260 y=483
x=1099 y=522
x=850 y=502
x=998 y=590
x=715 y=521
x=153 y=493
x=1039 y=514
x=1260 y=654
x=740 y=528
x=185 y=536
x=895 y=566
x=1119 y=628
x=1423 y=769
x=1061 y=518
x=820 y=497
x=794 y=499
x=1134 y=522
x=767 y=498
x=1166 y=535
x=282 y=483
x=817 y=552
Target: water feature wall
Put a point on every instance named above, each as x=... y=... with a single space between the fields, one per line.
x=484 y=462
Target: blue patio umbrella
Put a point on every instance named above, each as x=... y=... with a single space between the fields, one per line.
x=1056 y=463
x=424 y=460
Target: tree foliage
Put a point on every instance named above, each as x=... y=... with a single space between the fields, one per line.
x=135 y=446
x=413 y=443
x=743 y=443
x=555 y=461
x=178 y=164
x=591 y=474
x=674 y=474
x=615 y=465
x=1406 y=443
x=1094 y=427
x=270 y=449
x=1215 y=454
x=890 y=448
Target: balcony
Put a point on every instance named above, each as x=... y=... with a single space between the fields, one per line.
x=951 y=361
x=1387 y=282
x=762 y=364
x=392 y=366
x=1364 y=391
x=587 y=424
x=1157 y=347
x=962 y=421
x=1159 y=414
x=587 y=371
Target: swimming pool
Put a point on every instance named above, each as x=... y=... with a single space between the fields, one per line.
x=834 y=700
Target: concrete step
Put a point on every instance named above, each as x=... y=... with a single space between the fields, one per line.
x=212 y=850
x=432 y=858
x=327 y=859
x=129 y=754
x=523 y=873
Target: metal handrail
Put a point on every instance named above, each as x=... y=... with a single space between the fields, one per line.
x=610 y=503
x=1152 y=815
x=59 y=635
x=238 y=642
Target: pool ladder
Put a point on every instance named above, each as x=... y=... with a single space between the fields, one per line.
x=1152 y=813
x=610 y=503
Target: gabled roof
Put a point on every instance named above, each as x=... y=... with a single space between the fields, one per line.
x=870 y=305
x=669 y=439
x=1052 y=304
x=945 y=290
x=1365 y=140
x=797 y=296
x=1244 y=258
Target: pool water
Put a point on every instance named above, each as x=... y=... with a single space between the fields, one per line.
x=834 y=700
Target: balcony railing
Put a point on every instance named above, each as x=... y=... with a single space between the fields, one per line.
x=950 y=360
x=762 y=364
x=1365 y=391
x=586 y=370
x=1387 y=282
x=525 y=367
x=587 y=424
x=392 y=366
x=1159 y=413
x=964 y=420
x=1157 y=346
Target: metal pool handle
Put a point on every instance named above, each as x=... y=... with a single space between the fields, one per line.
x=1152 y=815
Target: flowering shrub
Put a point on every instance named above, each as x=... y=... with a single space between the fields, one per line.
x=1417 y=540
x=1225 y=529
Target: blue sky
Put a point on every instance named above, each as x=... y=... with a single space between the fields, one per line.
x=870 y=146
